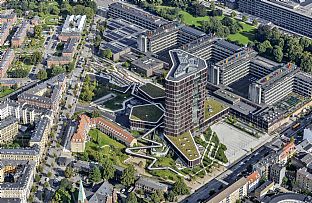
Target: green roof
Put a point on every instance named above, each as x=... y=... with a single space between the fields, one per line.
x=186 y=145
x=148 y=113
x=212 y=107
x=152 y=90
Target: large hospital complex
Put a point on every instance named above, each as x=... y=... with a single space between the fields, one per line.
x=203 y=67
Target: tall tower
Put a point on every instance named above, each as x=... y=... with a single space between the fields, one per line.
x=82 y=196
x=185 y=92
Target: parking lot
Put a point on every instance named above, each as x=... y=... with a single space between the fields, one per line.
x=238 y=143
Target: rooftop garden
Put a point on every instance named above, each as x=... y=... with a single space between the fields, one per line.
x=212 y=107
x=152 y=90
x=149 y=113
x=185 y=144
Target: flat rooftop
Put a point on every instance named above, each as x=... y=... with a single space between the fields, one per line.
x=277 y=75
x=152 y=91
x=147 y=62
x=301 y=9
x=184 y=64
x=213 y=107
x=146 y=113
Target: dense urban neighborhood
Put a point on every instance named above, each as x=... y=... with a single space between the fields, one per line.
x=153 y=101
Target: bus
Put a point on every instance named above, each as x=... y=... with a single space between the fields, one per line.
x=296 y=126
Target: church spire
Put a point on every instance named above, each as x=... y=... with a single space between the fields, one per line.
x=82 y=196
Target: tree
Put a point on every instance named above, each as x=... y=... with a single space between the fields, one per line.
x=70 y=67
x=278 y=54
x=46 y=185
x=42 y=75
x=95 y=175
x=108 y=169
x=56 y=70
x=306 y=62
x=37 y=178
x=254 y=22
x=69 y=171
x=180 y=188
x=292 y=139
x=233 y=14
x=244 y=18
x=171 y=196
x=132 y=198
x=38 y=31
x=264 y=47
x=155 y=198
x=49 y=174
x=128 y=176
x=107 y=53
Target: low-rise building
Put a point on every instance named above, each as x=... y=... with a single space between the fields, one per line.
x=5 y=29
x=109 y=128
x=58 y=60
x=78 y=141
x=264 y=189
x=253 y=181
x=8 y=129
x=72 y=27
x=8 y=17
x=147 y=66
x=277 y=173
x=23 y=175
x=150 y=185
x=20 y=35
x=6 y=61
x=70 y=48
x=232 y=192
x=46 y=95
x=304 y=178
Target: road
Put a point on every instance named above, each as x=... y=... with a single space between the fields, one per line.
x=233 y=173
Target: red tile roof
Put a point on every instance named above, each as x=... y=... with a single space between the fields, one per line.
x=253 y=177
x=121 y=133
x=84 y=123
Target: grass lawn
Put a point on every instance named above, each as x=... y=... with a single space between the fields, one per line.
x=147 y=112
x=212 y=107
x=104 y=140
x=244 y=36
x=50 y=19
x=114 y=103
x=152 y=90
x=185 y=144
x=165 y=161
x=6 y=91
x=105 y=147
x=165 y=174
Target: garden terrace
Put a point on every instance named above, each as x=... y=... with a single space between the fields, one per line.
x=213 y=107
x=147 y=113
x=152 y=91
x=185 y=144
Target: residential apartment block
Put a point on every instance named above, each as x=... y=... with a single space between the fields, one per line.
x=8 y=18
x=5 y=29
x=232 y=192
x=72 y=27
x=8 y=130
x=6 y=61
x=287 y=14
x=304 y=178
x=20 y=34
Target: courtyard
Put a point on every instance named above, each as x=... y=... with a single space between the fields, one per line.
x=238 y=143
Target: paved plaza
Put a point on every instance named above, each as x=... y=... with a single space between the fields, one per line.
x=238 y=143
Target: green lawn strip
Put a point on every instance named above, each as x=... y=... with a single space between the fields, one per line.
x=165 y=161
x=149 y=113
x=212 y=107
x=165 y=174
x=5 y=92
x=152 y=90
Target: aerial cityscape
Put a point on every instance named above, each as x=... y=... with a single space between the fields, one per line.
x=154 y=101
